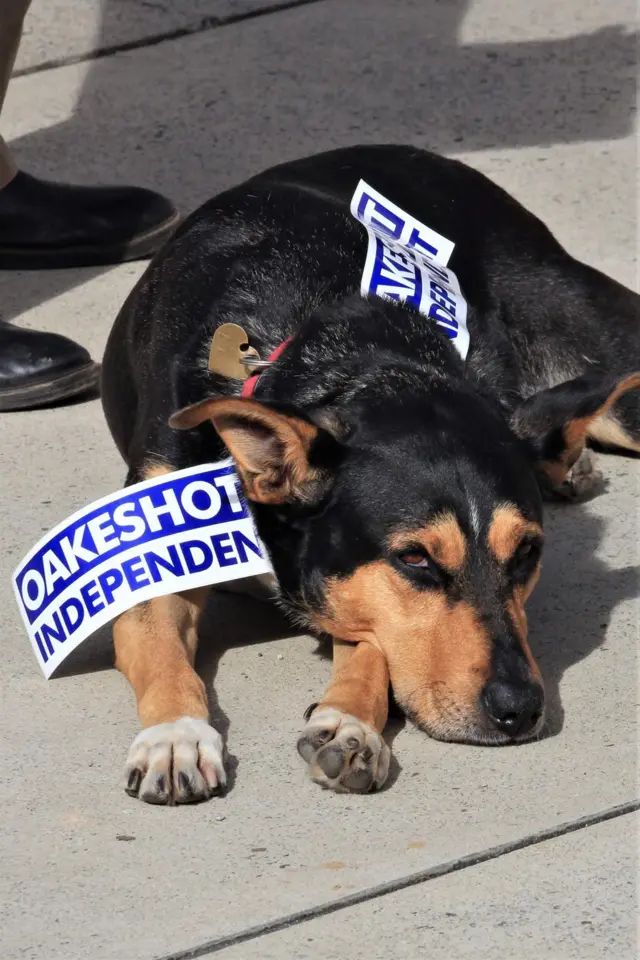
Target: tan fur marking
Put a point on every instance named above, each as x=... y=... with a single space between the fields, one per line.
x=508 y=527
x=555 y=472
x=577 y=431
x=515 y=609
x=155 y=468
x=575 y=434
x=155 y=645
x=360 y=683
x=608 y=431
x=632 y=382
x=269 y=448
x=438 y=655
x=442 y=539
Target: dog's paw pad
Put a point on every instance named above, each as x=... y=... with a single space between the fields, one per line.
x=181 y=762
x=343 y=753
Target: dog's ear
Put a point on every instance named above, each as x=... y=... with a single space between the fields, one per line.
x=556 y=422
x=279 y=457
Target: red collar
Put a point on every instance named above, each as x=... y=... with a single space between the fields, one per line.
x=250 y=384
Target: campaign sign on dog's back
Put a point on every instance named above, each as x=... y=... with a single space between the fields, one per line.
x=407 y=261
x=186 y=529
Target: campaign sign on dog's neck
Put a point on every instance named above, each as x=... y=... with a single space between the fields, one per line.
x=186 y=529
x=407 y=261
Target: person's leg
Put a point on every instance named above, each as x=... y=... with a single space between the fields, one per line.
x=49 y=224
x=35 y=368
x=8 y=167
x=45 y=224
x=12 y=14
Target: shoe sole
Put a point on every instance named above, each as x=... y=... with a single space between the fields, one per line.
x=50 y=390
x=52 y=258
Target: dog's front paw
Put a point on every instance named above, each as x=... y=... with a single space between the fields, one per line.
x=584 y=480
x=343 y=753
x=180 y=762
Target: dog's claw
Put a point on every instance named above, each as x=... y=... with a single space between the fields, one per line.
x=133 y=782
x=343 y=753
x=179 y=762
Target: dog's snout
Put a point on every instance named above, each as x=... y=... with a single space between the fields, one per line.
x=514 y=708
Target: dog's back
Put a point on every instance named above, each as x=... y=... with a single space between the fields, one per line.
x=266 y=253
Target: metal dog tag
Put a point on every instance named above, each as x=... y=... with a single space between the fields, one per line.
x=230 y=352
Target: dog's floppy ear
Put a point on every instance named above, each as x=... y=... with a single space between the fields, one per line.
x=556 y=422
x=279 y=457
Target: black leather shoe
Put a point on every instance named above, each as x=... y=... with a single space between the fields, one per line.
x=40 y=368
x=44 y=224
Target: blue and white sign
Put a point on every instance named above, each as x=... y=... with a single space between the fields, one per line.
x=186 y=529
x=407 y=261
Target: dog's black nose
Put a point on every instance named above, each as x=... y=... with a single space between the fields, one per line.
x=514 y=708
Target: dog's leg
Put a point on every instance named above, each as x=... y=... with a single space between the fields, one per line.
x=342 y=742
x=611 y=432
x=178 y=756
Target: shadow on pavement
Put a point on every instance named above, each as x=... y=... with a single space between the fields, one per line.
x=194 y=116
x=570 y=611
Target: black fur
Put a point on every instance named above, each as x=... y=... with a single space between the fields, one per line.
x=408 y=429
x=270 y=253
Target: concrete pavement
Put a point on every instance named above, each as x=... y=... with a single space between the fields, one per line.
x=567 y=900
x=541 y=100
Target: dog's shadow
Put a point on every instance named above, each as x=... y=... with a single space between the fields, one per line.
x=230 y=620
x=571 y=609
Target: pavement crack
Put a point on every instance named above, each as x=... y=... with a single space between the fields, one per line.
x=402 y=883
x=203 y=25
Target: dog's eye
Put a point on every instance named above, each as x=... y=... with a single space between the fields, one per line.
x=419 y=568
x=526 y=557
x=528 y=550
x=414 y=558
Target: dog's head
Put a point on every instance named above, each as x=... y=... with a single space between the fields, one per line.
x=413 y=522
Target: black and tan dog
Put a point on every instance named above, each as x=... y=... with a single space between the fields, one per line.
x=396 y=487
